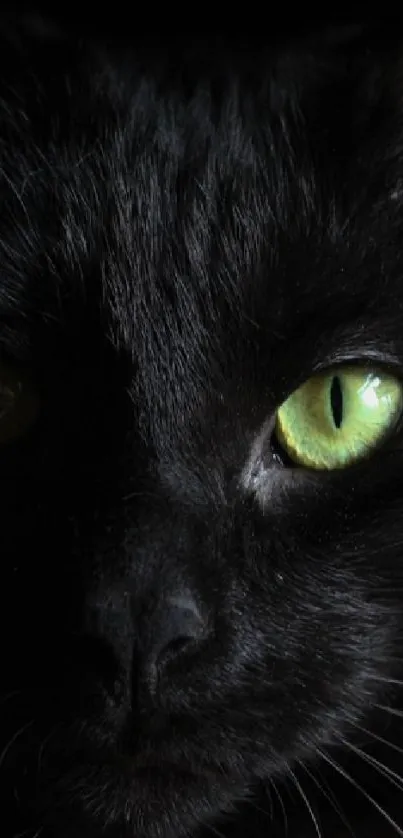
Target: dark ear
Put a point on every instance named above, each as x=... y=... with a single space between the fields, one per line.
x=19 y=24
x=49 y=20
x=26 y=38
x=41 y=28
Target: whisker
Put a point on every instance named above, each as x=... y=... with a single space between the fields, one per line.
x=13 y=740
x=383 y=769
x=43 y=746
x=306 y=801
x=132 y=495
x=377 y=806
x=215 y=831
x=282 y=807
x=324 y=788
x=384 y=679
x=5 y=698
x=18 y=196
x=258 y=808
x=391 y=710
x=270 y=801
x=378 y=738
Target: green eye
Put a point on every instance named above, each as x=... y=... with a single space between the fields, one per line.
x=339 y=417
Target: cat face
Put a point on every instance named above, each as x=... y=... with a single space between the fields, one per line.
x=186 y=609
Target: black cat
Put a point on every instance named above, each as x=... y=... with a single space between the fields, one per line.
x=201 y=450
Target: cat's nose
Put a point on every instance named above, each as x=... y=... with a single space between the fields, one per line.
x=172 y=636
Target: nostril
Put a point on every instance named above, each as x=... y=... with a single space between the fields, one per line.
x=173 y=650
x=176 y=628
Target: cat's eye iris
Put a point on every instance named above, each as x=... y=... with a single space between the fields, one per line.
x=19 y=404
x=339 y=417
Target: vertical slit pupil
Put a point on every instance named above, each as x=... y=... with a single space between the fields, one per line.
x=336 y=401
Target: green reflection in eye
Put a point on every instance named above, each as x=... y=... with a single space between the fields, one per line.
x=338 y=417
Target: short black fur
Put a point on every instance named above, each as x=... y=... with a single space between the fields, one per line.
x=188 y=624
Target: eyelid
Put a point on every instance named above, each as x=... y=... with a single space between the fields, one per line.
x=388 y=361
